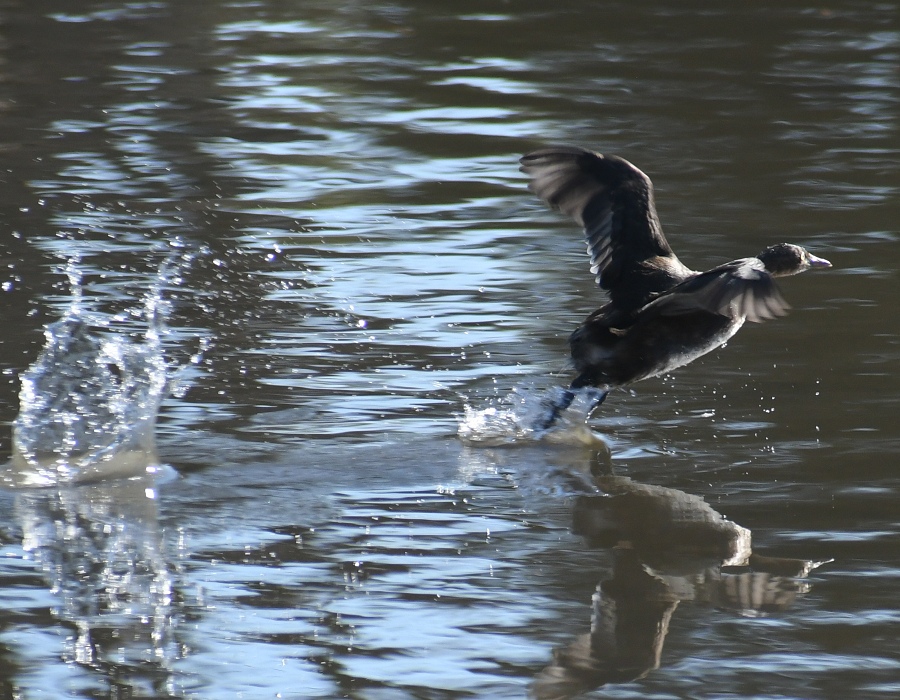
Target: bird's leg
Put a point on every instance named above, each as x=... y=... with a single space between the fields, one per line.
x=555 y=407
x=560 y=403
x=597 y=396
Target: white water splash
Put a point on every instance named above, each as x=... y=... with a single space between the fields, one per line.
x=88 y=404
x=513 y=418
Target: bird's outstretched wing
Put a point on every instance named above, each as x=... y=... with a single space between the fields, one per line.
x=613 y=201
x=738 y=288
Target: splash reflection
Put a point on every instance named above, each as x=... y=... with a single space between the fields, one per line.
x=100 y=550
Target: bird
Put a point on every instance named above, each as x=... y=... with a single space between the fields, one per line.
x=660 y=314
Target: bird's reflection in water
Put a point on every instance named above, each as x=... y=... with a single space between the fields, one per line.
x=100 y=549
x=668 y=546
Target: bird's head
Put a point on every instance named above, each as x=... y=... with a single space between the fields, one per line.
x=783 y=259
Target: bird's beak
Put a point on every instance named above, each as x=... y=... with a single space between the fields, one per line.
x=818 y=262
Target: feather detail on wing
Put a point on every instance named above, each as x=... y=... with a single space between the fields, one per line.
x=613 y=201
x=741 y=288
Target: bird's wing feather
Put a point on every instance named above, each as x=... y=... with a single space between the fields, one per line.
x=613 y=201
x=738 y=288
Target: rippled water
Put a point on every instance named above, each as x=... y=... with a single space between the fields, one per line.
x=366 y=263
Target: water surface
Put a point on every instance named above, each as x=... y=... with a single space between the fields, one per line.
x=364 y=262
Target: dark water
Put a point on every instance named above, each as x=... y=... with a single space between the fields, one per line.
x=361 y=260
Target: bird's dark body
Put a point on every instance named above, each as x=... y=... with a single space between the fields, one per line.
x=653 y=344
